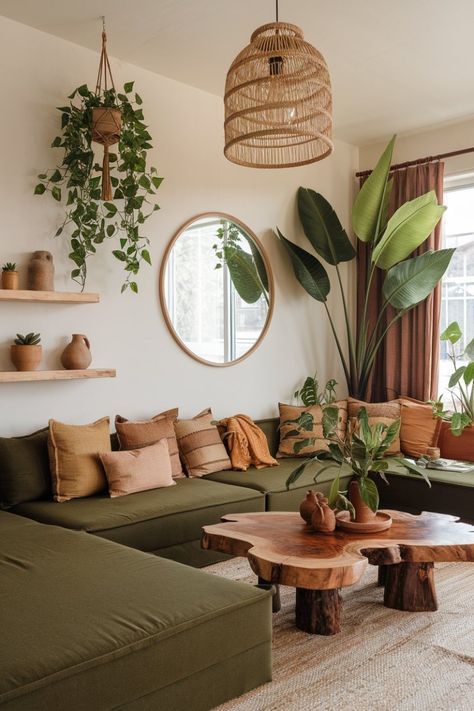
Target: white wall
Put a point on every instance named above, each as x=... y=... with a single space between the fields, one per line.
x=128 y=332
x=452 y=136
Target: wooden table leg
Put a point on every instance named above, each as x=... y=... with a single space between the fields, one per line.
x=276 y=602
x=318 y=611
x=410 y=587
x=382 y=575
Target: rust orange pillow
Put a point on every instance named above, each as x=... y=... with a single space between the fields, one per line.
x=420 y=429
x=386 y=412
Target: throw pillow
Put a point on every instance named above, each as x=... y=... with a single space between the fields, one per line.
x=24 y=469
x=385 y=412
x=76 y=469
x=420 y=429
x=136 y=434
x=138 y=469
x=288 y=441
x=200 y=445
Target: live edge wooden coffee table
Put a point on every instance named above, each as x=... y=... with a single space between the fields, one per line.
x=282 y=549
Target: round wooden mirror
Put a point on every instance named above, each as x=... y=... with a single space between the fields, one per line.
x=216 y=289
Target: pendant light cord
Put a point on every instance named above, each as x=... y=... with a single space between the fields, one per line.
x=276 y=9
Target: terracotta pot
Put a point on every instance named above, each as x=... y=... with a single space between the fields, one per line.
x=77 y=354
x=453 y=447
x=26 y=357
x=363 y=513
x=41 y=271
x=106 y=125
x=323 y=518
x=308 y=505
x=10 y=280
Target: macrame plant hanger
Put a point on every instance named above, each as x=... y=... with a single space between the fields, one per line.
x=106 y=120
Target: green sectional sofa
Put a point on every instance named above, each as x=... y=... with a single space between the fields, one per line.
x=87 y=624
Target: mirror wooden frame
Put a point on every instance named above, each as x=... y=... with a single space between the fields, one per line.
x=271 y=288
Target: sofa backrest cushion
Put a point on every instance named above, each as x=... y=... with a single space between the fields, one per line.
x=24 y=469
x=270 y=428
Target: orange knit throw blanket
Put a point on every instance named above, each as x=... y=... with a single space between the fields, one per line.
x=246 y=443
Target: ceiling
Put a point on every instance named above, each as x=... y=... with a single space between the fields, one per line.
x=395 y=66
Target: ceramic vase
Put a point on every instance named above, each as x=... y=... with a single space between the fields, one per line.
x=363 y=513
x=323 y=518
x=26 y=357
x=77 y=354
x=308 y=505
x=41 y=271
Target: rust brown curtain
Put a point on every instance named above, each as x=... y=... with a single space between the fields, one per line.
x=408 y=361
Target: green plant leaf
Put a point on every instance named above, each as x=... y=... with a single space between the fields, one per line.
x=121 y=256
x=134 y=287
x=411 y=281
x=456 y=376
x=128 y=87
x=409 y=227
x=330 y=420
x=469 y=350
x=110 y=207
x=56 y=193
x=308 y=270
x=243 y=274
x=40 y=189
x=452 y=333
x=146 y=256
x=412 y=467
x=369 y=492
x=468 y=376
x=259 y=263
x=322 y=227
x=369 y=203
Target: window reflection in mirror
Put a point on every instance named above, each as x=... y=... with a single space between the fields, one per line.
x=216 y=291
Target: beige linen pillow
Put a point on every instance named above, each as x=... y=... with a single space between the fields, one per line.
x=385 y=412
x=136 y=434
x=74 y=461
x=138 y=469
x=292 y=412
x=200 y=445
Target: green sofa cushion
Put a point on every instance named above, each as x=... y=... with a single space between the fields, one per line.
x=100 y=625
x=24 y=469
x=149 y=520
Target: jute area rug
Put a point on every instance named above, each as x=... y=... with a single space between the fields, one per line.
x=383 y=660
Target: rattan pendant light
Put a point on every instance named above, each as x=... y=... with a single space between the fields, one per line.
x=278 y=101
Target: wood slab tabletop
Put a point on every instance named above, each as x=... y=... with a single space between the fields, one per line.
x=281 y=548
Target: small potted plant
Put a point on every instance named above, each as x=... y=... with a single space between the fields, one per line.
x=26 y=351
x=9 y=276
x=363 y=452
x=457 y=434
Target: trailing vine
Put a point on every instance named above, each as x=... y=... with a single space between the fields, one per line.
x=90 y=221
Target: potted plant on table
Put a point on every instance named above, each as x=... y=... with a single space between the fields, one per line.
x=363 y=451
x=457 y=434
x=9 y=276
x=26 y=351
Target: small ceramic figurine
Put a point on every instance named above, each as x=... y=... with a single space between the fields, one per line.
x=323 y=518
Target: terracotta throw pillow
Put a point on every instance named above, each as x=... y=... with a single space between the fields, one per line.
x=137 y=434
x=292 y=412
x=74 y=460
x=385 y=412
x=138 y=469
x=420 y=429
x=200 y=445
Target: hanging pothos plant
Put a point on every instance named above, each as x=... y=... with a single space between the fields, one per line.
x=90 y=220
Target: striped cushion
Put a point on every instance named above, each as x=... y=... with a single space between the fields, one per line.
x=137 y=434
x=200 y=445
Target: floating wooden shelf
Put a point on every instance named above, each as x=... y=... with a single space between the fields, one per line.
x=59 y=297
x=35 y=375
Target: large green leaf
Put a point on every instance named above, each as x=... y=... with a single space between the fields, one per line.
x=308 y=270
x=369 y=205
x=411 y=224
x=322 y=227
x=243 y=274
x=411 y=281
x=452 y=333
x=259 y=263
x=369 y=492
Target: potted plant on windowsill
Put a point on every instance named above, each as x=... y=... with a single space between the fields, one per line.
x=363 y=451
x=457 y=434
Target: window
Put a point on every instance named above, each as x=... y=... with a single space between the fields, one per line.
x=458 y=283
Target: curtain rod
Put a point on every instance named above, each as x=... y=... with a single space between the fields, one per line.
x=420 y=161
